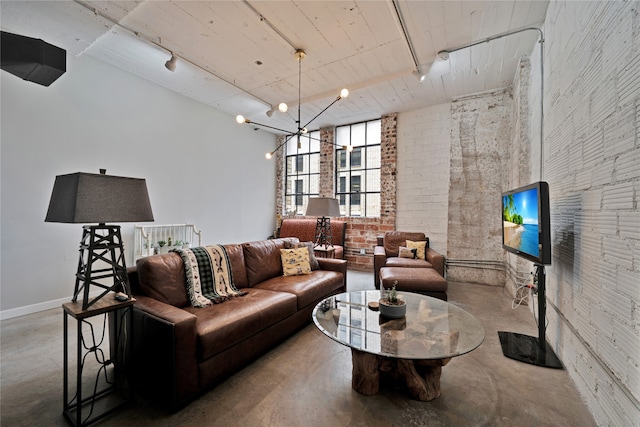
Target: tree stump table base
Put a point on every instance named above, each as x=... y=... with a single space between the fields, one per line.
x=420 y=377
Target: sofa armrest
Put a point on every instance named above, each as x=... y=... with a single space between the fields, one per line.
x=338 y=265
x=164 y=351
x=436 y=259
x=379 y=260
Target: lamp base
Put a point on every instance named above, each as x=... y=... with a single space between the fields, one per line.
x=101 y=261
x=323 y=232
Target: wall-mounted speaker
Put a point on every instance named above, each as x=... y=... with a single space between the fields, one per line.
x=32 y=59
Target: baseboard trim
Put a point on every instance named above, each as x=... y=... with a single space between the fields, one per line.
x=33 y=308
x=41 y=306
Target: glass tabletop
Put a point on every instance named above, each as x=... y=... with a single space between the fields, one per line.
x=431 y=328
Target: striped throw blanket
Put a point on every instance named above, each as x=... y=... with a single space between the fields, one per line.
x=208 y=275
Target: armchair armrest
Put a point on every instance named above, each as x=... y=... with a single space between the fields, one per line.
x=164 y=350
x=379 y=260
x=436 y=259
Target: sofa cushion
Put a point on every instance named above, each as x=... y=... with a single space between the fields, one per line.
x=309 y=288
x=162 y=277
x=221 y=326
x=238 y=269
x=407 y=262
x=295 y=262
x=313 y=261
x=413 y=279
x=420 y=247
x=394 y=239
x=405 y=252
x=262 y=260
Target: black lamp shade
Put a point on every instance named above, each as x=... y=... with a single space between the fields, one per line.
x=85 y=198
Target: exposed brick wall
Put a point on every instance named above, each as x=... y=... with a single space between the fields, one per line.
x=327 y=161
x=592 y=164
x=480 y=135
x=279 y=160
x=389 y=167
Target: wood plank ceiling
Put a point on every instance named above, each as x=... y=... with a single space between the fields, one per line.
x=238 y=56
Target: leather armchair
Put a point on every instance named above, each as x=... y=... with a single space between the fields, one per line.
x=386 y=252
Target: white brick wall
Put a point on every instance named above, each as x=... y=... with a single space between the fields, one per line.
x=592 y=164
x=423 y=173
x=481 y=133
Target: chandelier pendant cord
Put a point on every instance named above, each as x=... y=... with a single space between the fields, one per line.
x=299 y=96
x=300 y=130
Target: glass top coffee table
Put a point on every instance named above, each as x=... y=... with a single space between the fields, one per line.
x=411 y=349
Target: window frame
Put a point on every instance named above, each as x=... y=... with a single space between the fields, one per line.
x=350 y=166
x=299 y=172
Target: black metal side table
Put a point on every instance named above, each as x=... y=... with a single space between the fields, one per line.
x=109 y=391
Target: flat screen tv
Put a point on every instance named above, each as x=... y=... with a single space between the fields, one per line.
x=526 y=227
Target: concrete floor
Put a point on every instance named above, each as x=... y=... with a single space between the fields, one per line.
x=306 y=381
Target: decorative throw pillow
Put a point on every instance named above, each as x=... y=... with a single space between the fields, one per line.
x=420 y=247
x=405 y=252
x=295 y=262
x=313 y=261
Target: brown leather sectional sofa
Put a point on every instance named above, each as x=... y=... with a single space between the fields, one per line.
x=179 y=351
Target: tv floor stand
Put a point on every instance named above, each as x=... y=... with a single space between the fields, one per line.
x=532 y=350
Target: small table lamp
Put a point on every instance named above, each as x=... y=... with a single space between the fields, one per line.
x=323 y=207
x=92 y=198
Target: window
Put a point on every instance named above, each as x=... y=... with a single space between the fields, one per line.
x=358 y=171
x=342 y=187
x=356 y=157
x=299 y=191
x=355 y=189
x=302 y=171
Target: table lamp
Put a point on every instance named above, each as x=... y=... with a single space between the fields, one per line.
x=99 y=198
x=323 y=207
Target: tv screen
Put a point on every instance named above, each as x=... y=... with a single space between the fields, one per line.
x=525 y=222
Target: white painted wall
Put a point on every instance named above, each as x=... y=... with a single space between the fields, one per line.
x=200 y=167
x=424 y=151
x=592 y=164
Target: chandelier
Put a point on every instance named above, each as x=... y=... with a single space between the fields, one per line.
x=282 y=107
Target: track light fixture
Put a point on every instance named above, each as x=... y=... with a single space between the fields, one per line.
x=171 y=63
x=282 y=107
x=419 y=75
x=443 y=55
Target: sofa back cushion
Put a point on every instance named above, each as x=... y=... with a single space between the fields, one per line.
x=162 y=277
x=394 y=239
x=305 y=230
x=238 y=268
x=262 y=259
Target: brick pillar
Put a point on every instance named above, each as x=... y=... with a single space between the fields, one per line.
x=327 y=156
x=279 y=158
x=389 y=163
